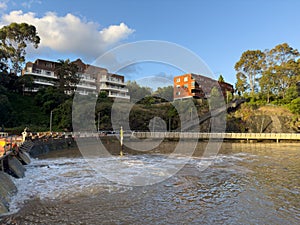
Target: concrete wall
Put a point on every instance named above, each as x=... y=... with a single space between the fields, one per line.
x=43 y=147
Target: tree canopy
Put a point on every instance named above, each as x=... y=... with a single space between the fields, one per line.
x=271 y=74
x=250 y=64
x=68 y=78
x=13 y=42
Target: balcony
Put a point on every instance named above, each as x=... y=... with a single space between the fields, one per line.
x=113 y=88
x=40 y=74
x=86 y=86
x=117 y=95
x=111 y=80
x=87 y=78
x=43 y=82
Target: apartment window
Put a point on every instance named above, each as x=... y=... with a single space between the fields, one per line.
x=178 y=86
x=178 y=80
x=185 y=79
x=178 y=93
x=185 y=86
x=48 y=73
x=193 y=84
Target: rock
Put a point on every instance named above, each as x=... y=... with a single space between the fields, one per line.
x=3 y=208
x=7 y=189
x=6 y=181
x=15 y=167
x=24 y=158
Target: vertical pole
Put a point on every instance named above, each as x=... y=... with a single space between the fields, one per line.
x=153 y=126
x=169 y=124
x=121 y=141
x=51 y=121
x=98 y=127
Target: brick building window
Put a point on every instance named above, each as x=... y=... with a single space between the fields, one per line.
x=178 y=80
x=185 y=79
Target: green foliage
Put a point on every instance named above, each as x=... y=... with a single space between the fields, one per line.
x=165 y=93
x=147 y=100
x=14 y=39
x=67 y=76
x=276 y=71
x=295 y=106
x=5 y=109
x=221 y=78
x=62 y=116
x=250 y=64
x=50 y=98
x=241 y=85
x=137 y=92
x=102 y=95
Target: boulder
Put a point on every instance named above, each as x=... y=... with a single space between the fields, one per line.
x=15 y=167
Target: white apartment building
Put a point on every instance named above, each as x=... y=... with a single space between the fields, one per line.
x=93 y=79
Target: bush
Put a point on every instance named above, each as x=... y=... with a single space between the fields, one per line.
x=294 y=106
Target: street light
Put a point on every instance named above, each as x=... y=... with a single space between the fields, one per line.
x=98 y=127
x=51 y=121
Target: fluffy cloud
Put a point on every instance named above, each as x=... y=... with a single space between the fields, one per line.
x=70 y=34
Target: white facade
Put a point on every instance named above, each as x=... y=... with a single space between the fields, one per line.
x=92 y=81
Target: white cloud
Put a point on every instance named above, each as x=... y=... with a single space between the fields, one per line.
x=69 y=34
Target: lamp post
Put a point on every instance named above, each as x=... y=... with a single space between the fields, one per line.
x=51 y=121
x=98 y=126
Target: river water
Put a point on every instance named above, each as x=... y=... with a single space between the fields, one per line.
x=250 y=183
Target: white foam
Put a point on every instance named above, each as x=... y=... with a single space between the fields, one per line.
x=64 y=178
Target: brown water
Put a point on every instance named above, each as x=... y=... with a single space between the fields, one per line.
x=246 y=184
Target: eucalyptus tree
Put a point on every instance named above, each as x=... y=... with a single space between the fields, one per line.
x=14 y=39
x=280 y=69
x=241 y=85
x=250 y=65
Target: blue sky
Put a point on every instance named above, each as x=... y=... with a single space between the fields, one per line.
x=217 y=31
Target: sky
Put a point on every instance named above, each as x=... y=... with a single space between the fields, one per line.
x=217 y=31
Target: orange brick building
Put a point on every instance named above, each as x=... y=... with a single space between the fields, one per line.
x=197 y=86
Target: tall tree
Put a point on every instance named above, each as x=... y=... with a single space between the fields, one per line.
x=268 y=84
x=14 y=39
x=281 y=54
x=68 y=78
x=241 y=85
x=250 y=64
x=282 y=68
x=137 y=92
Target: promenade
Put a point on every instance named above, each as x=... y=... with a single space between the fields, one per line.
x=225 y=136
